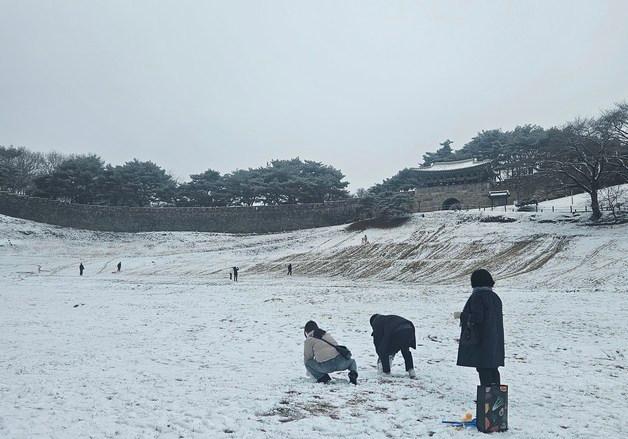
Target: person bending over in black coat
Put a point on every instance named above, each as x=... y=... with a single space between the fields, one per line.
x=392 y=334
x=482 y=330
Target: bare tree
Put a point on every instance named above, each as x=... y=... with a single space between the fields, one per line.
x=614 y=197
x=361 y=193
x=7 y=156
x=16 y=165
x=52 y=161
x=582 y=154
x=20 y=166
x=26 y=166
x=616 y=121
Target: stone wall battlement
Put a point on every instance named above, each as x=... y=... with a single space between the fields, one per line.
x=255 y=219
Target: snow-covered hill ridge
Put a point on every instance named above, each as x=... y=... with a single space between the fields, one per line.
x=435 y=248
x=444 y=248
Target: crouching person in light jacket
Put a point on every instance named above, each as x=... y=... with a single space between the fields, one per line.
x=322 y=355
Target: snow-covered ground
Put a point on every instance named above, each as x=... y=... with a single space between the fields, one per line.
x=169 y=348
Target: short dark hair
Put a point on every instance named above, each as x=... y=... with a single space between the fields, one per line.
x=310 y=326
x=482 y=278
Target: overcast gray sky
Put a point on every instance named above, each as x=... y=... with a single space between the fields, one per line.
x=365 y=86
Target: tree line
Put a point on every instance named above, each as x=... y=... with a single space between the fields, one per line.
x=586 y=154
x=87 y=179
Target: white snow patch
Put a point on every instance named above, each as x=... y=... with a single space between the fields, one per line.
x=169 y=348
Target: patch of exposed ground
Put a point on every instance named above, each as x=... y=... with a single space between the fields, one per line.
x=427 y=256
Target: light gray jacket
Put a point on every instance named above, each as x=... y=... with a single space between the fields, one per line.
x=316 y=349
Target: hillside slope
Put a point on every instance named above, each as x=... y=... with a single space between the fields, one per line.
x=435 y=248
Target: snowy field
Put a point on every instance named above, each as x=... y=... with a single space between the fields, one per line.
x=169 y=348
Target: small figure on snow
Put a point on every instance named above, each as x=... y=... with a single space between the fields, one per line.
x=365 y=240
x=322 y=355
x=235 y=273
x=289 y=269
x=392 y=334
x=81 y=269
x=119 y=266
x=482 y=330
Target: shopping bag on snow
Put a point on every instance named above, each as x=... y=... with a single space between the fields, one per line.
x=492 y=408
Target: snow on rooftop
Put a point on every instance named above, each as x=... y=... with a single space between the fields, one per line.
x=454 y=165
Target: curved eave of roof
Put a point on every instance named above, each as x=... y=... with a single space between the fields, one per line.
x=453 y=166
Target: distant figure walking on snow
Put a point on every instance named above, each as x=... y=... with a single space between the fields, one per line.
x=322 y=355
x=119 y=266
x=235 y=273
x=392 y=334
x=289 y=269
x=365 y=240
x=81 y=269
x=482 y=330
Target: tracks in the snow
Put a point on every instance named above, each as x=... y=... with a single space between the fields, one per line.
x=426 y=256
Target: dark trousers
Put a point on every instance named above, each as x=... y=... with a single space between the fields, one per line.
x=400 y=341
x=488 y=376
x=407 y=357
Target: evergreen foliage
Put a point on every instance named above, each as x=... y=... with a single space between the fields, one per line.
x=443 y=154
x=86 y=179
x=284 y=182
x=137 y=183
x=205 y=189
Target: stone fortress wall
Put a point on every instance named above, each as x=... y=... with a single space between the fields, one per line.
x=472 y=184
x=469 y=195
x=256 y=219
x=476 y=195
x=263 y=219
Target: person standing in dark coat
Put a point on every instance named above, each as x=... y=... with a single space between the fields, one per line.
x=81 y=269
x=289 y=269
x=235 y=273
x=482 y=330
x=392 y=334
x=119 y=266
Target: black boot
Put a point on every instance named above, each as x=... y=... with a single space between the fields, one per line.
x=324 y=379
x=353 y=377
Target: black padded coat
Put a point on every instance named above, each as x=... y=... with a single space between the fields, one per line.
x=482 y=331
